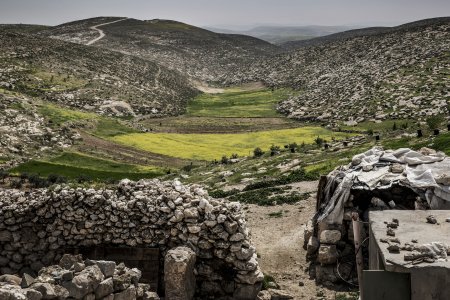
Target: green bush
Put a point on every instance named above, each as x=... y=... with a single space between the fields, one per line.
x=258 y=152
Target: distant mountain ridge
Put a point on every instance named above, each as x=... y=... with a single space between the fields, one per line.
x=282 y=34
x=362 y=32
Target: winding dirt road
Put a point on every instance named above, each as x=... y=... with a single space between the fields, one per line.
x=101 y=32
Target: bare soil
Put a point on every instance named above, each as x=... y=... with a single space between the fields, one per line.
x=183 y=124
x=279 y=244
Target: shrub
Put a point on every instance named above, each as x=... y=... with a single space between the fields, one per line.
x=188 y=168
x=3 y=175
x=258 y=152
x=23 y=176
x=224 y=160
x=37 y=182
x=16 y=184
x=274 y=150
x=370 y=132
x=434 y=122
x=394 y=127
x=319 y=141
x=55 y=179
x=234 y=156
x=293 y=147
x=83 y=179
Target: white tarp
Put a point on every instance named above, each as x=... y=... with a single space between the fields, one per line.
x=426 y=172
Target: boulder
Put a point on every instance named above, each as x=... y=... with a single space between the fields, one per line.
x=330 y=236
x=107 y=267
x=327 y=254
x=312 y=246
x=179 y=274
x=105 y=288
x=46 y=289
x=128 y=294
x=10 y=279
x=246 y=291
x=68 y=260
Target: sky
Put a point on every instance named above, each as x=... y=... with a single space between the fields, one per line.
x=228 y=13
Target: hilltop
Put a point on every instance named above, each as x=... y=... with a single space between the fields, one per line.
x=197 y=53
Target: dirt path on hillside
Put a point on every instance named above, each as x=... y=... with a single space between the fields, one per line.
x=279 y=243
x=101 y=32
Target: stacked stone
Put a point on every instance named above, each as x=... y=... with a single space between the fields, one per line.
x=36 y=227
x=74 y=278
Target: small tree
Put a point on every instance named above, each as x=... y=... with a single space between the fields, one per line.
x=234 y=156
x=258 y=152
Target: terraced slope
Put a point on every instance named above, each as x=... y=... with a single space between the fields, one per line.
x=399 y=74
x=198 y=53
x=89 y=78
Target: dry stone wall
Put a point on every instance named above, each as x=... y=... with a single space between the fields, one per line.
x=74 y=278
x=37 y=226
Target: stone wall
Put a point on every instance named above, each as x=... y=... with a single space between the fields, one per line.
x=330 y=247
x=37 y=226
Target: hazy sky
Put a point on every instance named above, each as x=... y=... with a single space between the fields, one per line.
x=228 y=12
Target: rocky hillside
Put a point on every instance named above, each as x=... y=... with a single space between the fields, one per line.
x=90 y=78
x=196 y=52
x=402 y=73
x=24 y=134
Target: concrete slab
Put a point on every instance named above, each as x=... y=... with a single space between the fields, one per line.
x=412 y=226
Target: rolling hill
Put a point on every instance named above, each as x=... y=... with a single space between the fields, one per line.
x=197 y=53
x=399 y=73
x=89 y=78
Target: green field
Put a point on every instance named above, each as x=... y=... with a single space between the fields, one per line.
x=213 y=146
x=238 y=103
x=72 y=165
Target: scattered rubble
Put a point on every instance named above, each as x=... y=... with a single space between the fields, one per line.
x=74 y=278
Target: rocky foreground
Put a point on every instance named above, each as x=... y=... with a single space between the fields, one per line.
x=36 y=227
x=74 y=278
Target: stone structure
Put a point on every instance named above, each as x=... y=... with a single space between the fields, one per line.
x=74 y=278
x=37 y=226
x=376 y=180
